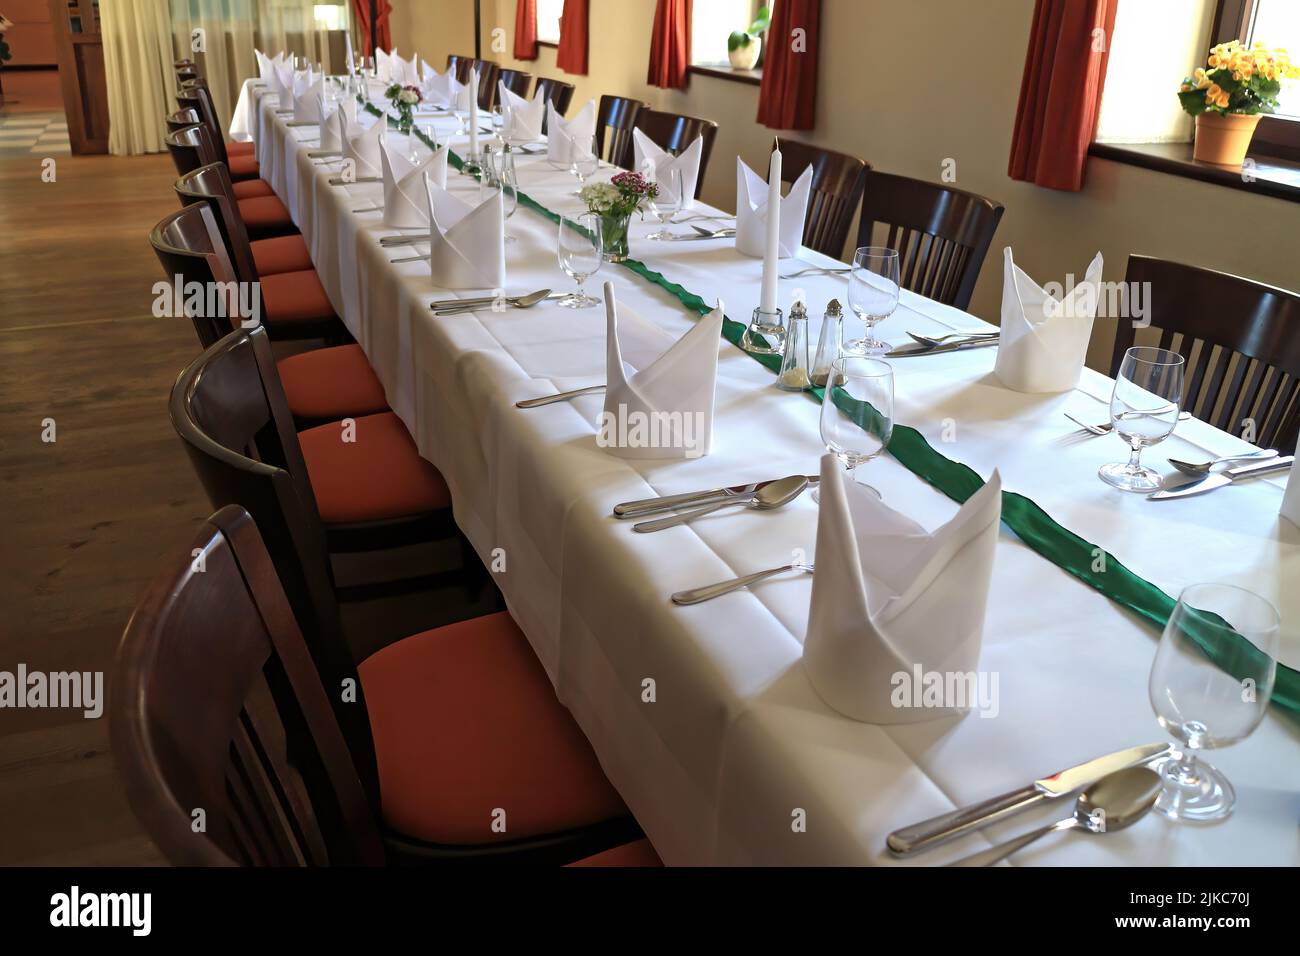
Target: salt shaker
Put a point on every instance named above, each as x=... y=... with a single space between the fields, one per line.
x=828 y=343
x=794 y=361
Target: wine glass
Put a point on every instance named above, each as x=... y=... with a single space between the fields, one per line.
x=504 y=177
x=1210 y=686
x=873 y=294
x=669 y=201
x=858 y=388
x=579 y=249
x=583 y=162
x=414 y=141
x=1144 y=410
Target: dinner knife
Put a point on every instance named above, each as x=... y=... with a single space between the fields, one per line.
x=1221 y=478
x=916 y=348
x=646 y=506
x=948 y=826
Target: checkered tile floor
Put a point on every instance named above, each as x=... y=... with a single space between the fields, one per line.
x=22 y=134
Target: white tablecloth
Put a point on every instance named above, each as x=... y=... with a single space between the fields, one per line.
x=736 y=744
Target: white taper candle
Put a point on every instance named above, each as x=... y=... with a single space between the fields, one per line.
x=772 y=250
x=473 y=113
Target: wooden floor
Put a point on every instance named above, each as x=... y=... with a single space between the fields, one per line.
x=87 y=519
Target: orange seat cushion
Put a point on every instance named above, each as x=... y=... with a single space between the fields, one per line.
x=466 y=724
x=289 y=297
x=280 y=254
x=265 y=215
x=639 y=853
x=376 y=475
x=252 y=188
x=239 y=149
x=331 y=383
x=243 y=167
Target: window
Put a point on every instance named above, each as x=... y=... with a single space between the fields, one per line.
x=712 y=22
x=548 y=20
x=330 y=16
x=1276 y=23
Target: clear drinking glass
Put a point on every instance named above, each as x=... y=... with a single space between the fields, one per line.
x=507 y=180
x=578 y=247
x=873 y=294
x=584 y=163
x=1144 y=410
x=855 y=381
x=1205 y=705
x=669 y=201
x=414 y=141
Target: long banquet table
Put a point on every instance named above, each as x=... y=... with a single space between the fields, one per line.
x=736 y=747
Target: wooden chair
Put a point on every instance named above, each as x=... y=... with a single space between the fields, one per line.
x=229 y=712
x=942 y=234
x=516 y=81
x=558 y=93
x=185 y=70
x=181 y=119
x=674 y=133
x=488 y=71
x=1240 y=340
x=615 y=117
x=242 y=164
x=191 y=147
x=833 y=199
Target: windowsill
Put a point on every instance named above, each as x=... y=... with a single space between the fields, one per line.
x=1274 y=177
x=553 y=45
x=752 y=77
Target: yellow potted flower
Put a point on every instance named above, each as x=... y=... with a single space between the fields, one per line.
x=1229 y=94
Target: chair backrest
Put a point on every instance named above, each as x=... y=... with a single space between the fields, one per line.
x=210 y=185
x=194 y=95
x=675 y=132
x=1240 y=340
x=217 y=708
x=516 y=81
x=836 y=191
x=228 y=408
x=185 y=70
x=558 y=93
x=942 y=234
x=182 y=118
x=189 y=247
x=615 y=117
x=189 y=146
x=488 y=71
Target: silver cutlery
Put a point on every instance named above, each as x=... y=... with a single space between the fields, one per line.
x=771 y=496
x=424 y=258
x=319 y=153
x=820 y=270
x=702 y=218
x=357 y=212
x=710 y=591
x=1220 y=479
x=916 y=348
x=1203 y=468
x=559 y=397
x=1113 y=803
x=715 y=233
x=515 y=302
x=438 y=304
x=949 y=826
x=340 y=181
x=645 y=506
x=1106 y=427
x=404 y=240
x=302 y=123
x=951 y=336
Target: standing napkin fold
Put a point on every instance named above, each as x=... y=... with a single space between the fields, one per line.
x=751 y=212
x=441 y=90
x=1044 y=342
x=406 y=205
x=889 y=598
x=383 y=66
x=331 y=139
x=523 y=119
x=282 y=83
x=655 y=163
x=306 y=105
x=363 y=148
x=1291 y=497
x=569 y=139
x=664 y=409
x=467 y=244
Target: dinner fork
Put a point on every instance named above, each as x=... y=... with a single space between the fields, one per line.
x=819 y=270
x=710 y=591
x=1105 y=428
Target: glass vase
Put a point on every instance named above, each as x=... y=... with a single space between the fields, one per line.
x=613 y=228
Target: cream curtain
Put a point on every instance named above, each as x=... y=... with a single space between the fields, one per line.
x=138 y=66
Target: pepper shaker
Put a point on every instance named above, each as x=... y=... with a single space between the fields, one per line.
x=794 y=362
x=829 y=343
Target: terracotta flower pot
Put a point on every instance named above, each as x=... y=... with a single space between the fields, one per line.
x=1222 y=138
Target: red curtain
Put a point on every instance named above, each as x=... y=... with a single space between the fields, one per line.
x=526 y=30
x=383 y=32
x=670 y=44
x=571 y=57
x=788 y=97
x=1060 y=94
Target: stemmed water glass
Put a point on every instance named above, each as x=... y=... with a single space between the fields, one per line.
x=579 y=249
x=583 y=162
x=414 y=141
x=668 y=203
x=858 y=388
x=1143 y=410
x=873 y=294
x=1210 y=686
x=501 y=175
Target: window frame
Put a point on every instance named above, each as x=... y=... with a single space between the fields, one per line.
x=554 y=44
x=1276 y=136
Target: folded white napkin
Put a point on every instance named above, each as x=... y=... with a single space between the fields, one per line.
x=522 y=119
x=751 y=212
x=331 y=139
x=1044 y=341
x=467 y=244
x=441 y=90
x=464 y=100
x=889 y=598
x=302 y=81
x=406 y=72
x=264 y=65
x=282 y=83
x=662 y=407
x=655 y=164
x=406 y=206
x=1291 y=497
x=383 y=66
x=567 y=139
x=306 y=105
x=362 y=147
